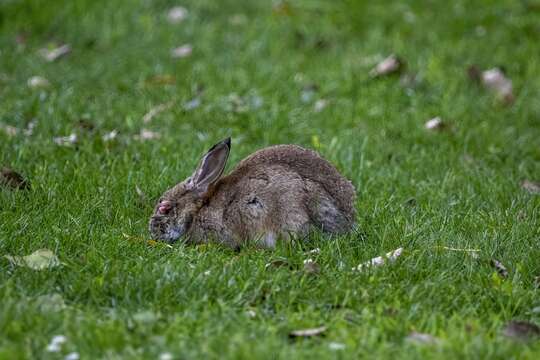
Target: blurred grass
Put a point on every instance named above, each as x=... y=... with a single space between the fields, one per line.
x=125 y=299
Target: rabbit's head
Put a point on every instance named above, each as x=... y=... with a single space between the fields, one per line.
x=178 y=207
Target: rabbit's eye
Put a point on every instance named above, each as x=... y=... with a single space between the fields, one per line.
x=164 y=207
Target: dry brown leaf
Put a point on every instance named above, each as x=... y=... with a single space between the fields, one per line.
x=531 y=186
x=391 y=65
x=56 y=53
x=380 y=260
x=13 y=179
x=156 y=110
x=311 y=267
x=38 y=82
x=501 y=269
x=177 y=14
x=421 y=338
x=435 y=124
x=306 y=333
x=182 y=51
x=521 y=330
x=66 y=140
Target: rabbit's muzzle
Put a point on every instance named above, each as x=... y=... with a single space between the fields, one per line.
x=162 y=229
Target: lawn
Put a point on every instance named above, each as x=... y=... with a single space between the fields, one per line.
x=267 y=73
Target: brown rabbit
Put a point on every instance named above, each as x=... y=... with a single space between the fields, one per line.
x=276 y=192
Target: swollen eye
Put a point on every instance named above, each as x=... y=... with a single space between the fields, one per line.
x=164 y=207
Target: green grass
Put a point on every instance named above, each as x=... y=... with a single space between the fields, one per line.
x=127 y=299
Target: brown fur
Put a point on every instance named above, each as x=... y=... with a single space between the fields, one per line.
x=273 y=193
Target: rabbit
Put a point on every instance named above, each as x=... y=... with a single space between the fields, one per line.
x=275 y=193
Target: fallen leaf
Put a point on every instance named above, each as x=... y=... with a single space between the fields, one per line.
x=37 y=82
x=435 y=124
x=38 y=260
x=531 y=186
x=156 y=110
x=311 y=267
x=501 y=269
x=421 y=338
x=9 y=130
x=56 y=53
x=307 y=332
x=146 y=134
x=495 y=80
x=391 y=65
x=110 y=135
x=13 y=179
x=66 y=140
x=320 y=105
x=521 y=330
x=177 y=14
x=380 y=260
x=182 y=51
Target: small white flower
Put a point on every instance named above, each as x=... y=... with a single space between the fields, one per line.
x=56 y=343
x=165 y=356
x=110 y=135
x=182 y=51
x=53 y=347
x=177 y=14
x=59 y=339
x=72 y=356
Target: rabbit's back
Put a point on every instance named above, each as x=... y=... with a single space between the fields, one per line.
x=278 y=190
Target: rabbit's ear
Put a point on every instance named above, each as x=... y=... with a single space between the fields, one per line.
x=211 y=166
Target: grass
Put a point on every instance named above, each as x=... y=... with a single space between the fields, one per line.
x=118 y=297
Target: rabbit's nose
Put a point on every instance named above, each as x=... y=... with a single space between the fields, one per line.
x=164 y=207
